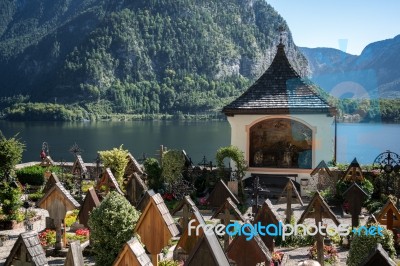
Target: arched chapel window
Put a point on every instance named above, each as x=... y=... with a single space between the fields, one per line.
x=280 y=143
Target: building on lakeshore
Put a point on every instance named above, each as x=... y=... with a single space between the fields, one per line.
x=281 y=123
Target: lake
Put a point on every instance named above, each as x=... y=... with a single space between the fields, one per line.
x=197 y=138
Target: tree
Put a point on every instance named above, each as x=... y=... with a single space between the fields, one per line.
x=237 y=156
x=10 y=198
x=10 y=154
x=111 y=225
x=173 y=162
x=153 y=170
x=115 y=159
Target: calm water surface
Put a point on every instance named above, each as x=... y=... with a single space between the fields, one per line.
x=198 y=138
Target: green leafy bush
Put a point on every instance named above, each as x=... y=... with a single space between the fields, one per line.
x=70 y=218
x=115 y=159
x=32 y=175
x=342 y=186
x=11 y=201
x=173 y=162
x=168 y=263
x=111 y=225
x=362 y=245
x=153 y=170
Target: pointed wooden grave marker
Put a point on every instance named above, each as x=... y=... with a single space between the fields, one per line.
x=141 y=205
x=108 y=180
x=132 y=167
x=378 y=257
x=228 y=212
x=27 y=251
x=290 y=190
x=317 y=209
x=389 y=216
x=135 y=188
x=207 y=250
x=240 y=247
x=219 y=195
x=91 y=201
x=57 y=201
x=74 y=255
x=79 y=167
x=267 y=215
x=53 y=179
x=356 y=197
x=46 y=162
x=132 y=254
x=186 y=205
x=353 y=172
x=323 y=173
x=156 y=226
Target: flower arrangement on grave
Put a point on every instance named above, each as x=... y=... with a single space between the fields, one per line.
x=168 y=196
x=277 y=257
x=330 y=253
x=47 y=238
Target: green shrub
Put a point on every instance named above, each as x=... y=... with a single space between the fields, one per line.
x=70 y=218
x=342 y=186
x=11 y=201
x=168 y=263
x=173 y=162
x=111 y=225
x=363 y=244
x=153 y=170
x=32 y=175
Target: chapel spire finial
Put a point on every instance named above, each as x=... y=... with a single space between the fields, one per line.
x=281 y=30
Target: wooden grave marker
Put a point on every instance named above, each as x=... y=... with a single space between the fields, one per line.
x=353 y=172
x=57 y=201
x=378 y=257
x=206 y=250
x=389 y=216
x=317 y=209
x=109 y=182
x=186 y=205
x=219 y=195
x=27 y=251
x=156 y=226
x=132 y=254
x=135 y=188
x=132 y=167
x=79 y=167
x=323 y=174
x=290 y=190
x=240 y=249
x=267 y=215
x=47 y=162
x=356 y=197
x=74 y=255
x=53 y=179
x=90 y=202
x=228 y=212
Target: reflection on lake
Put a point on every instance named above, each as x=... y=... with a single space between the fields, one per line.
x=197 y=138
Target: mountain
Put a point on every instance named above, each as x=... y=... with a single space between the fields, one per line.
x=375 y=73
x=143 y=56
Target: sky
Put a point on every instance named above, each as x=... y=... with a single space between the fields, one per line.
x=348 y=25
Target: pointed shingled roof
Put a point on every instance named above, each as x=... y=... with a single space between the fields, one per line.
x=29 y=240
x=321 y=168
x=133 y=253
x=280 y=90
x=232 y=207
x=53 y=179
x=132 y=166
x=318 y=203
x=156 y=225
x=219 y=195
x=109 y=181
x=66 y=196
x=207 y=250
x=79 y=164
x=353 y=172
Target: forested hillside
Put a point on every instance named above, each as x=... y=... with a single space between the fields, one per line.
x=135 y=57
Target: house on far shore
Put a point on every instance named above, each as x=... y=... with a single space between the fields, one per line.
x=283 y=126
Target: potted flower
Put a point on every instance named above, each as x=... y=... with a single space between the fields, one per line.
x=330 y=254
x=277 y=257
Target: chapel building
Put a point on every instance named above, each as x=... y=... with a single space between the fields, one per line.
x=281 y=123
